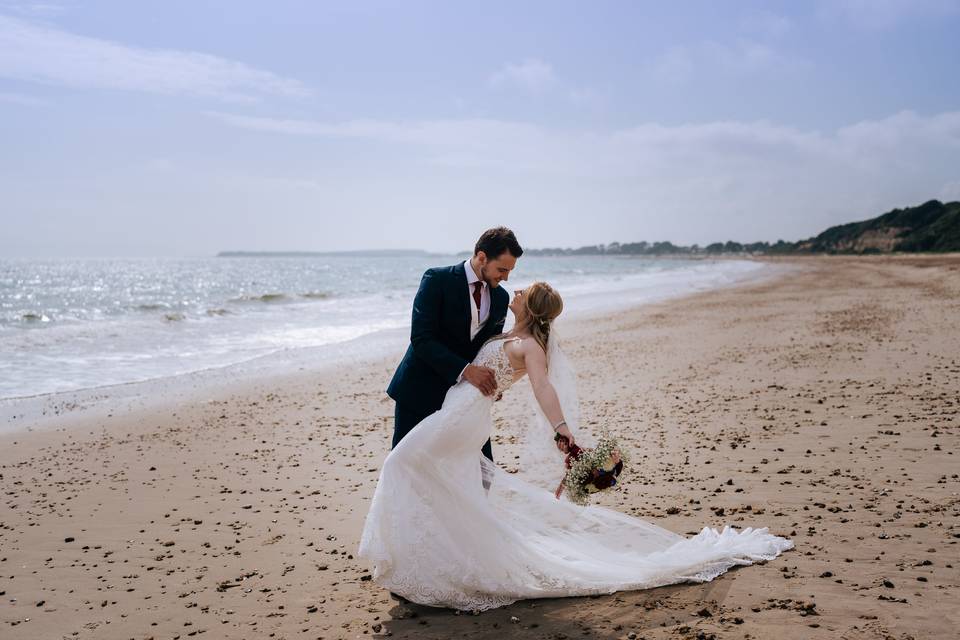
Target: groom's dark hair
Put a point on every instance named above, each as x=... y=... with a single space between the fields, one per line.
x=495 y=242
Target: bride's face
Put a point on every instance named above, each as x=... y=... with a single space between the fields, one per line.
x=516 y=305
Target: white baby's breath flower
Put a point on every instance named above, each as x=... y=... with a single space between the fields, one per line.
x=578 y=480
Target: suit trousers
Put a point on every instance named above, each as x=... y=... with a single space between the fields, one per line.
x=404 y=420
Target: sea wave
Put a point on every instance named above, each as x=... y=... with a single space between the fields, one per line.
x=266 y=297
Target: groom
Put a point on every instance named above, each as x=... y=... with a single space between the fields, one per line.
x=456 y=309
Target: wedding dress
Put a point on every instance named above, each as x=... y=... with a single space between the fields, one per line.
x=448 y=528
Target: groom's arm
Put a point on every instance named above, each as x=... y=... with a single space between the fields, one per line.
x=425 y=327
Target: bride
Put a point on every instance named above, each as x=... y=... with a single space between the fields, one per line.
x=448 y=528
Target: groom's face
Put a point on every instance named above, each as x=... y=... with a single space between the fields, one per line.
x=496 y=270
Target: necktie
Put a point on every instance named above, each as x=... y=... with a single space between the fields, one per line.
x=476 y=293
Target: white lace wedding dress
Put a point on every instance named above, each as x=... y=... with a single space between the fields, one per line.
x=435 y=535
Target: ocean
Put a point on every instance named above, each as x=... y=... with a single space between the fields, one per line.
x=71 y=324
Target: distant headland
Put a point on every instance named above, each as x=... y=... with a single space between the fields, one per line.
x=930 y=227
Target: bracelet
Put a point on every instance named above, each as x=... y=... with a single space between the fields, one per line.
x=559 y=424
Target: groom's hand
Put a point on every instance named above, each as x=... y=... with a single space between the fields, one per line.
x=482 y=378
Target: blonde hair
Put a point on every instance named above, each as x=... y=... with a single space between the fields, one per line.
x=542 y=304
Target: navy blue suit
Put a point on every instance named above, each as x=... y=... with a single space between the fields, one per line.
x=440 y=345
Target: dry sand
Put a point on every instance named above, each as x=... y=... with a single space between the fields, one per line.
x=823 y=404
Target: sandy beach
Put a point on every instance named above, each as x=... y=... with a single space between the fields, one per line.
x=822 y=404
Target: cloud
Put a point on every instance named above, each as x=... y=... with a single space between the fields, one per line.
x=725 y=168
x=536 y=77
x=766 y=24
x=627 y=151
x=35 y=9
x=674 y=66
x=35 y=53
x=21 y=99
x=884 y=14
x=950 y=191
x=532 y=75
x=742 y=57
x=586 y=97
x=475 y=134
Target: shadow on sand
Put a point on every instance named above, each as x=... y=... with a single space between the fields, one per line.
x=608 y=616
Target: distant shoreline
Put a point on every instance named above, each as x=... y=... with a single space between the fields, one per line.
x=361 y=253
x=932 y=227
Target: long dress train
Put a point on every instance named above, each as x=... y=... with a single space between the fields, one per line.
x=435 y=535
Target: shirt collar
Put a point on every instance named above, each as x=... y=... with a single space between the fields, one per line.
x=471 y=274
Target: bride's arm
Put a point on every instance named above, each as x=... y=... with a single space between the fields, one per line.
x=535 y=362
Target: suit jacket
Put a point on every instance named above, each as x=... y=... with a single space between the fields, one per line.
x=440 y=344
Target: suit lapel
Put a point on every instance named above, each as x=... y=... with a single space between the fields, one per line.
x=463 y=296
x=498 y=307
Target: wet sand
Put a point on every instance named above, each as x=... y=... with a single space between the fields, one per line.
x=822 y=404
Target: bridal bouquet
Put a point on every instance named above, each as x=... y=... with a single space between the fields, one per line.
x=589 y=470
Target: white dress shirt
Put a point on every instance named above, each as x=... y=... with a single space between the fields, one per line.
x=478 y=318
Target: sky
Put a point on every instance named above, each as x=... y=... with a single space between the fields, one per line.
x=183 y=128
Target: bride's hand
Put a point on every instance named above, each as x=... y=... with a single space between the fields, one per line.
x=564 y=431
